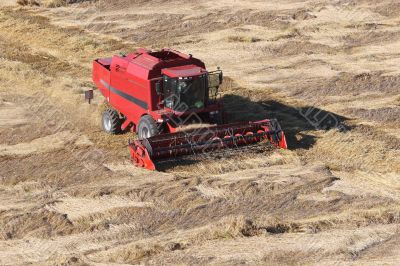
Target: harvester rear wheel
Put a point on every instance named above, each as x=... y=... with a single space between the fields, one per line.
x=111 y=122
x=147 y=127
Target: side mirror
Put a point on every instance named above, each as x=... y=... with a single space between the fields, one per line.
x=158 y=88
x=221 y=77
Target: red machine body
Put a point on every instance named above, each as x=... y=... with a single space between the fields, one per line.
x=129 y=85
x=156 y=92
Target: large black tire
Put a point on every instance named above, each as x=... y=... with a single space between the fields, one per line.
x=147 y=127
x=111 y=122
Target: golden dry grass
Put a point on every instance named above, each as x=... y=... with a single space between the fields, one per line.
x=28 y=2
x=68 y=193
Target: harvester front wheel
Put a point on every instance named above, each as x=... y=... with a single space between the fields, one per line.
x=111 y=122
x=147 y=127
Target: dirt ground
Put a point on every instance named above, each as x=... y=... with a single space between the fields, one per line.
x=328 y=70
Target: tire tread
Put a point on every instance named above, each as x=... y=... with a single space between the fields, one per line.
x=116 y=122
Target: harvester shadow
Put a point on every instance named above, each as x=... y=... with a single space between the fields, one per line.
x=294 y=121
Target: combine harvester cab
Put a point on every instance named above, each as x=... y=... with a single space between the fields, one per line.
x=158 y=93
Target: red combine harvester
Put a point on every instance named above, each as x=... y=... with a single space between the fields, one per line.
x=158 y=94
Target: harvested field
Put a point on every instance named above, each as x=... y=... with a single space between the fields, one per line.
x=327 y=70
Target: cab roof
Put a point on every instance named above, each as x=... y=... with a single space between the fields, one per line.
x=183 y=71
